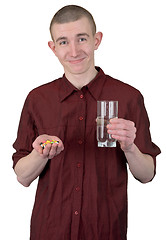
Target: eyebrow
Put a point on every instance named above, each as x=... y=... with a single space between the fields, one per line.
x=78 y=35
x=61 y=38
x=82 y=34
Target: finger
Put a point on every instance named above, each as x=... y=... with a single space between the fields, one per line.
x=60 y=149
x=56 y=148
x=124 y=142
x=116 y=126
x=37 y=147
x=118 y=120
x=121 y=121
x=53 y=150
x=122 y=125
x=122 y=132
x=46 y=150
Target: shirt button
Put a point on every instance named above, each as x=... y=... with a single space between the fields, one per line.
x=81 y=96
x=76 y=213
x=77 y=189
x=81 y=118
x=80 y=142
x=78 y=165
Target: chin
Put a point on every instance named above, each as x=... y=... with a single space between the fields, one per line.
x=78 y=70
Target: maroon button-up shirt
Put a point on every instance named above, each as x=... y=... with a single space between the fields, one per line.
x=82 y=192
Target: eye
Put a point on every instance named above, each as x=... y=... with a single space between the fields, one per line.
x=82 y=39
x=63 y=42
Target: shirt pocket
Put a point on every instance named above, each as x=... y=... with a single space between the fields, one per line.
x=58 y=131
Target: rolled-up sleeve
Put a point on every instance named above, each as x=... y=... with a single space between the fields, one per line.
x=26 y=133
x=143 y=137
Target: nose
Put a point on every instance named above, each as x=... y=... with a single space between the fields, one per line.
x=74 y=49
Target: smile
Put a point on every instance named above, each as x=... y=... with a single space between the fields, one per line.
x=76 y=61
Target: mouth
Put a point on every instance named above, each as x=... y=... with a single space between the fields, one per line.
x=76 y=61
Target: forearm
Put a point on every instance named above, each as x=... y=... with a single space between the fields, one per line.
x=141 y=165
x=29 y=168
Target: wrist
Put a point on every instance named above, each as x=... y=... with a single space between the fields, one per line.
x=39 y=155
x=131 y=149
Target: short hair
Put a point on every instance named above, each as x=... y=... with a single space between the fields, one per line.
x=72 y=13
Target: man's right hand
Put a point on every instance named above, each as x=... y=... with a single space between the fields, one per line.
x=50 y=150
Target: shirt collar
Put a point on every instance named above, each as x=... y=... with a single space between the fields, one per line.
x=95 y=86
x=66 y=88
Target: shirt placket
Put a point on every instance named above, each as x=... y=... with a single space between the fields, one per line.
x=79 y=163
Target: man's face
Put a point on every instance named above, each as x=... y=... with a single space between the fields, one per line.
x=74 y=45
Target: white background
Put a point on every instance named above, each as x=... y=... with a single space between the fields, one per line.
x=133 y=50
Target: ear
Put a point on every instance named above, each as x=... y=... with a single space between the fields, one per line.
x=52 y=46
x=98 y=37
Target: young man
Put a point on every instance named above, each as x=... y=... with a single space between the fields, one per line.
x=82 y=189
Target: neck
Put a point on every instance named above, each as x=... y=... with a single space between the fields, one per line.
x=82 y=79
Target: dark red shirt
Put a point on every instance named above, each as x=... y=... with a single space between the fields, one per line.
x=82 y=192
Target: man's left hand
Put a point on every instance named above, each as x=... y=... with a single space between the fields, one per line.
x=124 y=131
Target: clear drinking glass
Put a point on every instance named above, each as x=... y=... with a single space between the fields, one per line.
x=105 y=111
